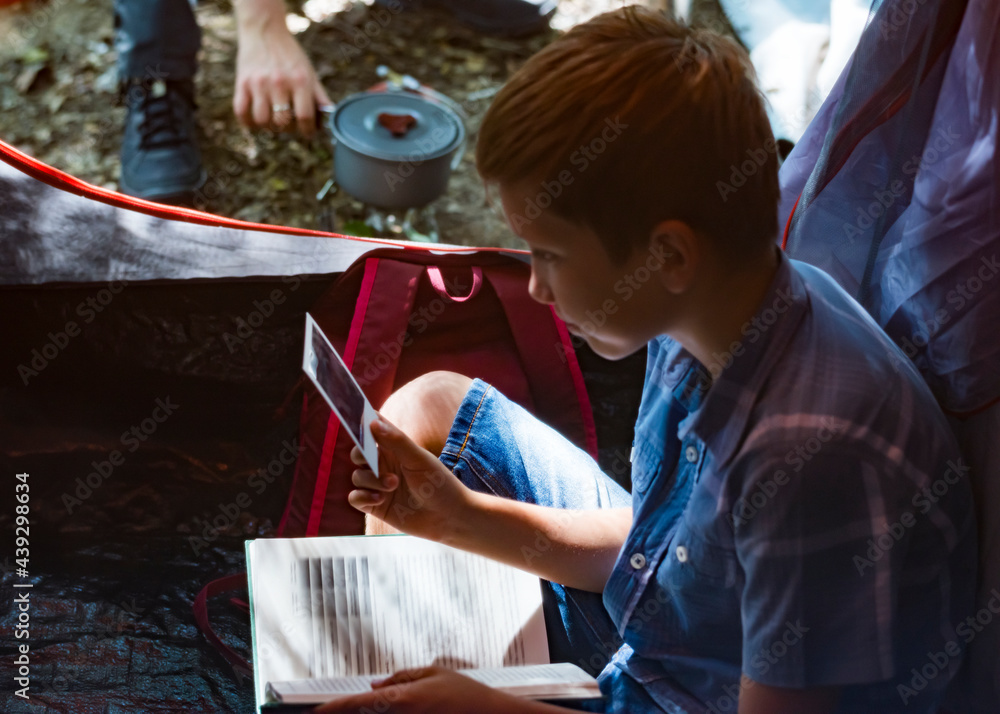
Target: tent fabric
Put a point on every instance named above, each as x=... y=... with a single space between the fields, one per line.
x=893 y=191
x=978 y=689
x=131 y=239
x=895 y=186
x=149 y=387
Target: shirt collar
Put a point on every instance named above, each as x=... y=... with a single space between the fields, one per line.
x=680 y=374
x=721 y=419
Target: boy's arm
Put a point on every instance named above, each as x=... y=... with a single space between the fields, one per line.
x=574 y=548
x=417 y=494
x=433 y=689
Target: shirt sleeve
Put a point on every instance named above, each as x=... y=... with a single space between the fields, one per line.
x=821 y=582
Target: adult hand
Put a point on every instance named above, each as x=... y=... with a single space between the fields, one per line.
x=274 y=79
x=416 y=493
x=429 y=690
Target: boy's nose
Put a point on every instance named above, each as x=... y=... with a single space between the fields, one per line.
x=539 y=290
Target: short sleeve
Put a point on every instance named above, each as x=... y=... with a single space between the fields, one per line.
x=816 y=609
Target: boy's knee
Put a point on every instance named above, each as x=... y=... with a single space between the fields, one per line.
x=425 y=408
x=376 y=526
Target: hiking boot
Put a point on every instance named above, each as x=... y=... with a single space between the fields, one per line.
x=507 y=18
x=160 y=158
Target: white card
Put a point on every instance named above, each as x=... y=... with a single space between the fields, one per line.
x=334 y=381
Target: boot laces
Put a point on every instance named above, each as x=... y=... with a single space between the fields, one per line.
x=162 y=124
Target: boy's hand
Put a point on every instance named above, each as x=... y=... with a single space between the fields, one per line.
x=429 y=690
x=416 y=494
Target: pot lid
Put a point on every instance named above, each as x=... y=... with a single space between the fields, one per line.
x=396 y=126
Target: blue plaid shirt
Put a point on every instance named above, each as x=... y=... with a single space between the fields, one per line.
x=801 y=520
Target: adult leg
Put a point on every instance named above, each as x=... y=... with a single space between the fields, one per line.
x=157 y=43
x=156 y=39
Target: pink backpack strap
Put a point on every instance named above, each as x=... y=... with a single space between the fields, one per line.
x=437 y=282
x=381 y=316
x=225 y=584
x=555 y=376
x=380 y=343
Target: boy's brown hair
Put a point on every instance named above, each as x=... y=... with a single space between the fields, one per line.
x=631 y=119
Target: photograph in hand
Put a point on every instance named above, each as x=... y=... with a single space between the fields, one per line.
x=334 y=381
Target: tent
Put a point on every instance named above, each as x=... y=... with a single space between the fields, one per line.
x=893 y=191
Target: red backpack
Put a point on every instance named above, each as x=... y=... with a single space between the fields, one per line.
x=395 y=315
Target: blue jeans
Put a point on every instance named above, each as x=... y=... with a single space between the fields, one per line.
x=156 y=39
x=497 y=447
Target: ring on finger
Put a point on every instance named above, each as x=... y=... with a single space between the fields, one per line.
x=277 y=108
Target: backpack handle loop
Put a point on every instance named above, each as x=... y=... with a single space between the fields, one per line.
x=437 y=282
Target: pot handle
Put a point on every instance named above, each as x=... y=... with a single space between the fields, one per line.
x=437 y=282
x=324 y=121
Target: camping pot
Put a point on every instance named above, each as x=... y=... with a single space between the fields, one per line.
x=395 y=148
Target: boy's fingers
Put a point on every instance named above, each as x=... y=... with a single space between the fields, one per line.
x=392 y=437
x=366 y=478
x=349 y=704
x=405 y=675
x=398 y=451
x=364 y=500
x=358 y=457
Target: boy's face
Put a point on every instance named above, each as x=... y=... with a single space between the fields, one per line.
x=617 y=309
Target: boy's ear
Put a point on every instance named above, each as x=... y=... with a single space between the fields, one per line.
x=677 y=250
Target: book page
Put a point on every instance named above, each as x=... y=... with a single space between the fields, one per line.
x=372 y=605
x=541 y=681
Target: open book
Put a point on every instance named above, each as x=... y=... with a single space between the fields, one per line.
x=329 y=615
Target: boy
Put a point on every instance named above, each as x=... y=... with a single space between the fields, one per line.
x=800 y=535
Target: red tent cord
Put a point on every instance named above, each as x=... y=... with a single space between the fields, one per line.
x=64 y=181
x=788 y=223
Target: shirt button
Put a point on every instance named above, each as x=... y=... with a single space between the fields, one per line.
x=637 y=561
x=682 y=554
x=691 y=454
